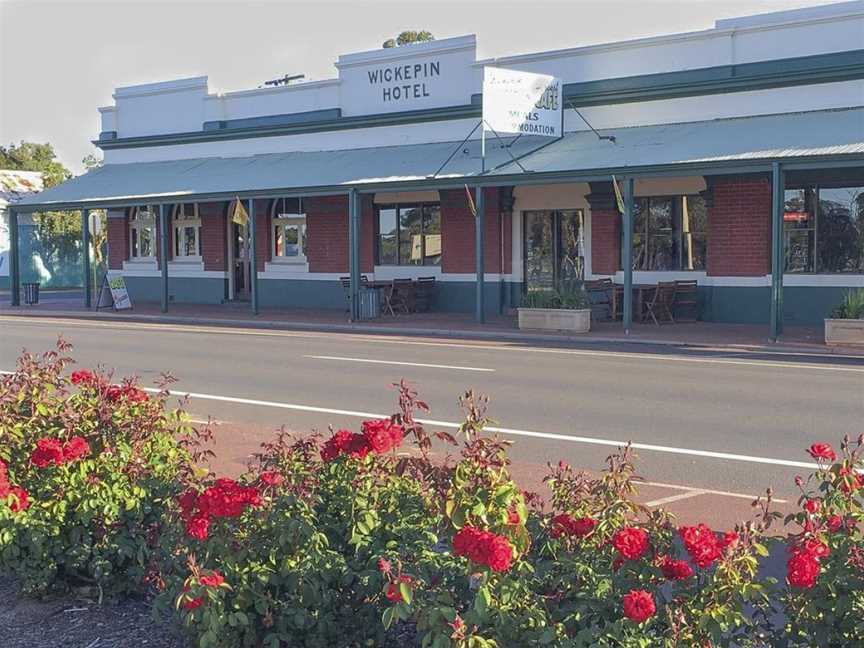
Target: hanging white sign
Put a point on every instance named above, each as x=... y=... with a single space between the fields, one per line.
x=521 y=102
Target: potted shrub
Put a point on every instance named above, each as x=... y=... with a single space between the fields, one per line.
x=565 y=308
x=846 y=324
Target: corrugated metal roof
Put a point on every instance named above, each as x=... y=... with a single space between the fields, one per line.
x=811 y=134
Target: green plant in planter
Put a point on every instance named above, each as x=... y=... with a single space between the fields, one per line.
x=568 y=295
x=852 y=306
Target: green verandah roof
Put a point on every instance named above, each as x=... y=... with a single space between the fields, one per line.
x=734 y=143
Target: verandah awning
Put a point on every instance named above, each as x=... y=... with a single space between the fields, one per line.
x=817 y=134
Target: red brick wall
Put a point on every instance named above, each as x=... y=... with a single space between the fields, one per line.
x=457 y=233
x=367 y=234
x=739 y=227
x=118 y=239
x=605 y=241
x=327 y=234
x=263 y=235
x=214 y=235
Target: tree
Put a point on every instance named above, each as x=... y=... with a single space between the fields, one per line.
x=30 y=156
x=407 y=37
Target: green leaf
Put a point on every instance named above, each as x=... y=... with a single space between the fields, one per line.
x=407 y=593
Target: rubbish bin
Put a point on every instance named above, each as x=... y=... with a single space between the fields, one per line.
x=369 y=302
x=31 y=293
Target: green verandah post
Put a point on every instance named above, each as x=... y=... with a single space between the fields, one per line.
x=14 y=267
x=479 y=245
x=778 y=187
x=253 y=257
x=627 y=253
x=354 y=253
x=163 y=251
x=85 y=257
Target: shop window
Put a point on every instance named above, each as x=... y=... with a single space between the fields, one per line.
x=823 y=229
x=669 y=233
x=187 y=232
x=142 y=233
x=289 y=230
x=408 y=234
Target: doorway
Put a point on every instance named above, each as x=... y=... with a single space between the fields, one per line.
x=240 y=286
x=554 y=247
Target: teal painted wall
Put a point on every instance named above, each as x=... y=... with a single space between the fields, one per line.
x=809 y=305
x=180 y=290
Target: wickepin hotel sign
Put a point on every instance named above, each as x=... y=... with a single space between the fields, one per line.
x=521 y=102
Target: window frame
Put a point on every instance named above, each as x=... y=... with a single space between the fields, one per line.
x=137 y=223
x=675 y=233
x=280 y=221
x=425 y=207
x=814 y=190
x=179 y=222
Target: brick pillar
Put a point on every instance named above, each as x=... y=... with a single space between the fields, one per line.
x=327 y=234
x=605 y=229
x=214 y=235
x=118 y=238
x=739 y=226
x=457 y=232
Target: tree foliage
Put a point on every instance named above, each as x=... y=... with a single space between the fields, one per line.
x=30 y=156
x=407 y=37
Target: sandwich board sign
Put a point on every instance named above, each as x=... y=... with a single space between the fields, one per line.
x=523 y=103
x=114 y=293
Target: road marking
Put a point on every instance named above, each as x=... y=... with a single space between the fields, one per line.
x=710 y=454
x=501 y=346
x=394 y=362
x=708 y=491
x=675 y=498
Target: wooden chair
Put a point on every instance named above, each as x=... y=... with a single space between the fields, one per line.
x=601 y=297
x=659 y=307
x=404 y=294
x=686 y=298
x=424 y=294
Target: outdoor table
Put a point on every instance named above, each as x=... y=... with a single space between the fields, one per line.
x=641 y=294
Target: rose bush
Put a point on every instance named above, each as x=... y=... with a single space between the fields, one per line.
x=86 y=471
x=362 y=539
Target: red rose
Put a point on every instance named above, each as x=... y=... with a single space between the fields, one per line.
x=75 y=448
x=728 y=539
x=84 y=377
x=701 y=543
x=513 y=517
x=193 y=604
x=468 y=542
x=566 y=524
x=384 y=566
x=835 y=522
x=639 y=606
x=631 y=542
x=582 y=527
x=188 y=501
x=19 y=500
x=271 y=478
x=344 y=442
x=850 y=480
x=822 y=451
x=675 y=569
x=499 y=553
x=382 y=435
x=815 y=548
x=802 y=570
x=198 y=527
x=48 y=452
x=215 y=579
x=812 y=506
x=394 y=592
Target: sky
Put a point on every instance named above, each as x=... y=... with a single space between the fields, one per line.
x=61 y=60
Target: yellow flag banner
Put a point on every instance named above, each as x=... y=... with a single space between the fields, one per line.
x=618 y=197
x=471 y=204
x=238 y=212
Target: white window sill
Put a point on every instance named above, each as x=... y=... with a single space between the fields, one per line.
x=286 y=267
x=188 y=263
x=148 y=263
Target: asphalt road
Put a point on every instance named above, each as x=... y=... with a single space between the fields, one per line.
x=729 y=421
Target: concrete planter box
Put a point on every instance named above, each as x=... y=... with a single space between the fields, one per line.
x=844 y=331
x=554 y=319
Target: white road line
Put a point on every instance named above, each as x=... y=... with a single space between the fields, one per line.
x=710 y=454
x=675 y=498
x=394 y=362
x=708 y=491
x=504 y=346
